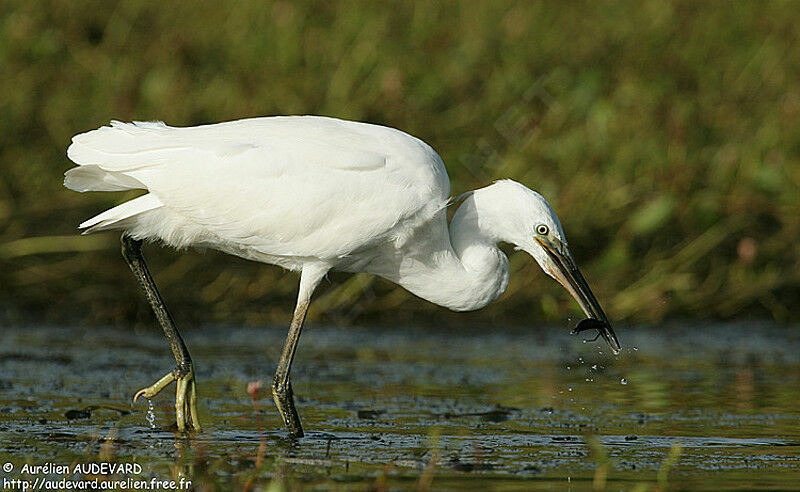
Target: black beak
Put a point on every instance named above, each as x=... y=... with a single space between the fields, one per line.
x=568 y=274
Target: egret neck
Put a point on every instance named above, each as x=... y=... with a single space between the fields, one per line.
x=468 y=270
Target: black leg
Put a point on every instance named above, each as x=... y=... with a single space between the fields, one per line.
x=281 y=386
x=183 y=374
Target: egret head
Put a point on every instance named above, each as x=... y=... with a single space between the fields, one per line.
x=530 y=223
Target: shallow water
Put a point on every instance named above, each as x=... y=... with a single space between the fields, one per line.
x=479 y=408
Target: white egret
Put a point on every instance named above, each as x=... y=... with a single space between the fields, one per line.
x=314 y=194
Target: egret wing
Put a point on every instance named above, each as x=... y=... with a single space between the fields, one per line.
x=293 y=186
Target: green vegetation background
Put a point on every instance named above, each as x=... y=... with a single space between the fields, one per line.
x=665 y=134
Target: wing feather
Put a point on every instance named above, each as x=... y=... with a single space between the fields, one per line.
x=284 y=186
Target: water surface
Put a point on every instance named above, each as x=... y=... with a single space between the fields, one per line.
x=506 y=408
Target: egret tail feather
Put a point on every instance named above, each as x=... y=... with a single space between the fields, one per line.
x=94 y=178
x=114 y=218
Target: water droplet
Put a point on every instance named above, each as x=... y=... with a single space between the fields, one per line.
x=589 y=380
x=568 y=368
x=580 y=359
x=151 y=414
x=594 y=366
x=569 y=389
x=623 y=381
x=635 y=349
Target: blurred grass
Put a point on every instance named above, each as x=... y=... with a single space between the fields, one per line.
x=664 y=133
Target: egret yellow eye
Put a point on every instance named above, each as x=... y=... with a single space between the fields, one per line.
x=542 y=230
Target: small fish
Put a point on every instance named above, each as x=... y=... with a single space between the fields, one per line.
x=603 y=329
x=589 y=324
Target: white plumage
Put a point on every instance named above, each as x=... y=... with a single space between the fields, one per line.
x=271 y=185
x=313 y=194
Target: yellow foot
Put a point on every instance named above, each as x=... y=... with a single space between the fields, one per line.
x=185 y=397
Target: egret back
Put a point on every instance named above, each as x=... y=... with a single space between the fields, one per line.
x=263 y=188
